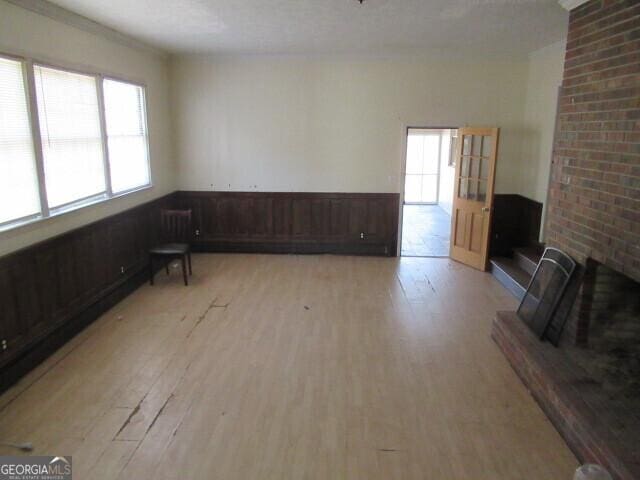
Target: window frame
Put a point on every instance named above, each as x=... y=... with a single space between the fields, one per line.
x=105 y=138
x=46 y=212
x=425 y=132
x=9 y=224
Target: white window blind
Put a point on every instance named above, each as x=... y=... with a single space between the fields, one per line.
x=19 y=197
x=126 y=135
x=93 y=141
x=71 y=138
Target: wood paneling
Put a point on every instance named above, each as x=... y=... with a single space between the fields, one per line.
x=294 y=222
x=51 y=290
x=516 y=223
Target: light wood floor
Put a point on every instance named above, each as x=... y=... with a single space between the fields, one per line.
x=292 y=367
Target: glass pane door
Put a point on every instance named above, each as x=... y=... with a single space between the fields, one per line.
x=474 y=168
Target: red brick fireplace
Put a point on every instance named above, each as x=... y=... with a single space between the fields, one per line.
x=590 y=386
x=594 y=193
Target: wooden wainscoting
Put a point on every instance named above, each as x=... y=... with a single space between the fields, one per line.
x=347 y=223
x=51 y=290
x=516 y=223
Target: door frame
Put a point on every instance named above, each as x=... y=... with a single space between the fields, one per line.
x=403 y=171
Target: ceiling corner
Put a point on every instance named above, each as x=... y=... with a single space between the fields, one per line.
x=60 y=14
x=571 y=4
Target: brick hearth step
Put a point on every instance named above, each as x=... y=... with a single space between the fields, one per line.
x=597 y=428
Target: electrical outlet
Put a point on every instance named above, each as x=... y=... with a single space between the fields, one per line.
x=197 y=233
x=121 y=269
x=4 y=345
x=361 y=235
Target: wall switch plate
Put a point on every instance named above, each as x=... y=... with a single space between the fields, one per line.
x=121 y=269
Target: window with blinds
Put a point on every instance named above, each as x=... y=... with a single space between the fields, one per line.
x=126 y=135
x=19 y=197
x=71 y=137
x=67 y=139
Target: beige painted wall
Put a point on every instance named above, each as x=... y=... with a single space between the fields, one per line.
x=300 y=123
x=544 y=77
x=26 y=33
x=331 y=124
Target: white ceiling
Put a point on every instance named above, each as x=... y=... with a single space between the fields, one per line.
x=487 y=27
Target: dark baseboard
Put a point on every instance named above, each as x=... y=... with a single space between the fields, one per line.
x=298 y=248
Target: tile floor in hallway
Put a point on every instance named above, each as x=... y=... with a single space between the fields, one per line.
x=425 y=231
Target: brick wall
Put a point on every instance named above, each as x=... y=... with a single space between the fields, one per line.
x=594 y=193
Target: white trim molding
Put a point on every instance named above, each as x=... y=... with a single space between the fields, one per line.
x=571 y=4
x=55 y=12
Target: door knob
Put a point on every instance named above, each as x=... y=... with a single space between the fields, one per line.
x=485 y=209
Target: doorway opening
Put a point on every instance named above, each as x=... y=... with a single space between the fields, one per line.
x=428 y=192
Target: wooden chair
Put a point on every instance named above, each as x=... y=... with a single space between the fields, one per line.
x=176 y=235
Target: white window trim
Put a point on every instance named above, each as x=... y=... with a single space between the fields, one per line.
x=103 y=135
x=34 y=121
x=146 y=129
x=422 y=132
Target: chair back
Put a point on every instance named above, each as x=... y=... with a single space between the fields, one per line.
x=175 y=226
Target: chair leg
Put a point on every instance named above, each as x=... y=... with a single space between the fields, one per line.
x=189 y=257
x=184 y=271
x=151 y=270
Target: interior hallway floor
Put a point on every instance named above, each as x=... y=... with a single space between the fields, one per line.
x=289 y=367
x=426 y=230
